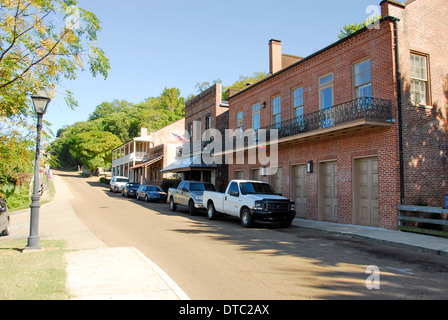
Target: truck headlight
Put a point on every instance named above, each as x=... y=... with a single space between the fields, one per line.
x=198 y=197
x=292 y=206
x=258 y=205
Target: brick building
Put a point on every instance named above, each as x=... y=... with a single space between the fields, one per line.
x=202 y=112
x=361 y=123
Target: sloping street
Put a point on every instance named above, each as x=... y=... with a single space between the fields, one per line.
x=221 y=260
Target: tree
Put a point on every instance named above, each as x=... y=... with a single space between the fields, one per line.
x=348 y=29
x=42 y=42
x=94 y=148
x=243 y=81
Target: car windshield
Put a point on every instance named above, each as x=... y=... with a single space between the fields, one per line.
x=134 y=185
x=256 y=187
x=153 y=188
x=122 y=180
x=201 y=187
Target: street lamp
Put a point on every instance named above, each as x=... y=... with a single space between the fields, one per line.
x=41 y=100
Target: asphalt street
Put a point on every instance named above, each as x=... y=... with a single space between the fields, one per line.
x=221 y=260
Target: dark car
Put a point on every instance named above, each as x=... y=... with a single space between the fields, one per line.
x=151 y=193
x=130 y=189
x=4 y=218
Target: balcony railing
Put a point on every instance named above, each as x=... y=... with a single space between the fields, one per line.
x=137 y=156
x=365 y=108
x=369 y=109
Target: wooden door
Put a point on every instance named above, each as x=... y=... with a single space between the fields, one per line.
x=298 y=189
x=329 y=191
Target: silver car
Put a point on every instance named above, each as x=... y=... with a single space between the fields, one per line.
x=4 y=218
x=117 y=183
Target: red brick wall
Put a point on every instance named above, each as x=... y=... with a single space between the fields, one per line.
x=423 y=29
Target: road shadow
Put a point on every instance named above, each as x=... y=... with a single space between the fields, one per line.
x=327 y=257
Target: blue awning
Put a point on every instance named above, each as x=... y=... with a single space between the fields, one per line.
x=187 y=164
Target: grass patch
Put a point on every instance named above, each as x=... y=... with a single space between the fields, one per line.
x=32 y=275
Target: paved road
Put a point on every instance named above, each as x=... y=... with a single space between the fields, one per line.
x=221 y=260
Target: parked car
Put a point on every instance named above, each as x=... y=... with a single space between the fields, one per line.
x=151 y=193
x=189 y=194
x=251 y=201
x=4 y=219
x=117 y=183
x=130 y=189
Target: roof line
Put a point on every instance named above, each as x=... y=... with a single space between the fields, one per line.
x=391 y=18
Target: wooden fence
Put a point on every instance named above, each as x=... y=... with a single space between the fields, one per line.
x=426 y=220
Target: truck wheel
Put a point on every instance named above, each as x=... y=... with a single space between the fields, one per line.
x=172 y=204
x=191 y=208
x=246 y=218
x=211 y=212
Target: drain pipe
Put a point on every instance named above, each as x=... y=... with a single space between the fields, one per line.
x=399 y=109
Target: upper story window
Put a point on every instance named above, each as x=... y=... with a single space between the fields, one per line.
x=419 y=79
x=363 y=78
x=297 y=102
x=326 y=91
x=208 y=122
x=276 y=111
x=256 y=116
x=239 y=120
x=190 y=129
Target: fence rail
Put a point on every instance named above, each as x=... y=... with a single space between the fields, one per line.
x=426 y=220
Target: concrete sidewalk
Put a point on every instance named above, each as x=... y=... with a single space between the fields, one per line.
x=414 y=241
x=94 y=270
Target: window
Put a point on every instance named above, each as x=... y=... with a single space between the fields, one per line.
x=233 y=188
x=297 y=104
x=363 y=78
x=190 y=130
x=239 y=120
x=256 y=116
x=208 y=122
x=277 y=111
x=419 y=79
x=326 y=91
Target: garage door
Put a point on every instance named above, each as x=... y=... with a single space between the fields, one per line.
x=329 y=191
x=276 y=180
x=366 y=192
x=255 y=174
x=298 y=189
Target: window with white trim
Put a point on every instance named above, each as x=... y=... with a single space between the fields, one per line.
x=419 y=79
x=363 y=79
x=277 y=111
x=326 y=91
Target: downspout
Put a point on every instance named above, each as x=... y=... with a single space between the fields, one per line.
x=399 y=109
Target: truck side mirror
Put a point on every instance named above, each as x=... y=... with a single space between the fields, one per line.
x=234 y=193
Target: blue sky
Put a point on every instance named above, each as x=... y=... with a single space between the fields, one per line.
x=178 y=43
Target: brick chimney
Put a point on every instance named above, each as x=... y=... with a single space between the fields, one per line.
x=391 y=8
x=275 y=56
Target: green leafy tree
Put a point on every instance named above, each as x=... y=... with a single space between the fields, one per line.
x=242 y=82
x=94 y=148
x=348 y=29
x=42 y=42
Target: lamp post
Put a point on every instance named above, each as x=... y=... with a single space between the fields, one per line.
x=41 y=101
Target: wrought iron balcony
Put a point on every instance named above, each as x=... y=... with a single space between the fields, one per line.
x=365 y=108
x=357 y=114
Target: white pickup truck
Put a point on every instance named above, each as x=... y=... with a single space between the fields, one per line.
x=252 y=201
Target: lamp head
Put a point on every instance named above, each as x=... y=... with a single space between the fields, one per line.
x=41 y=100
